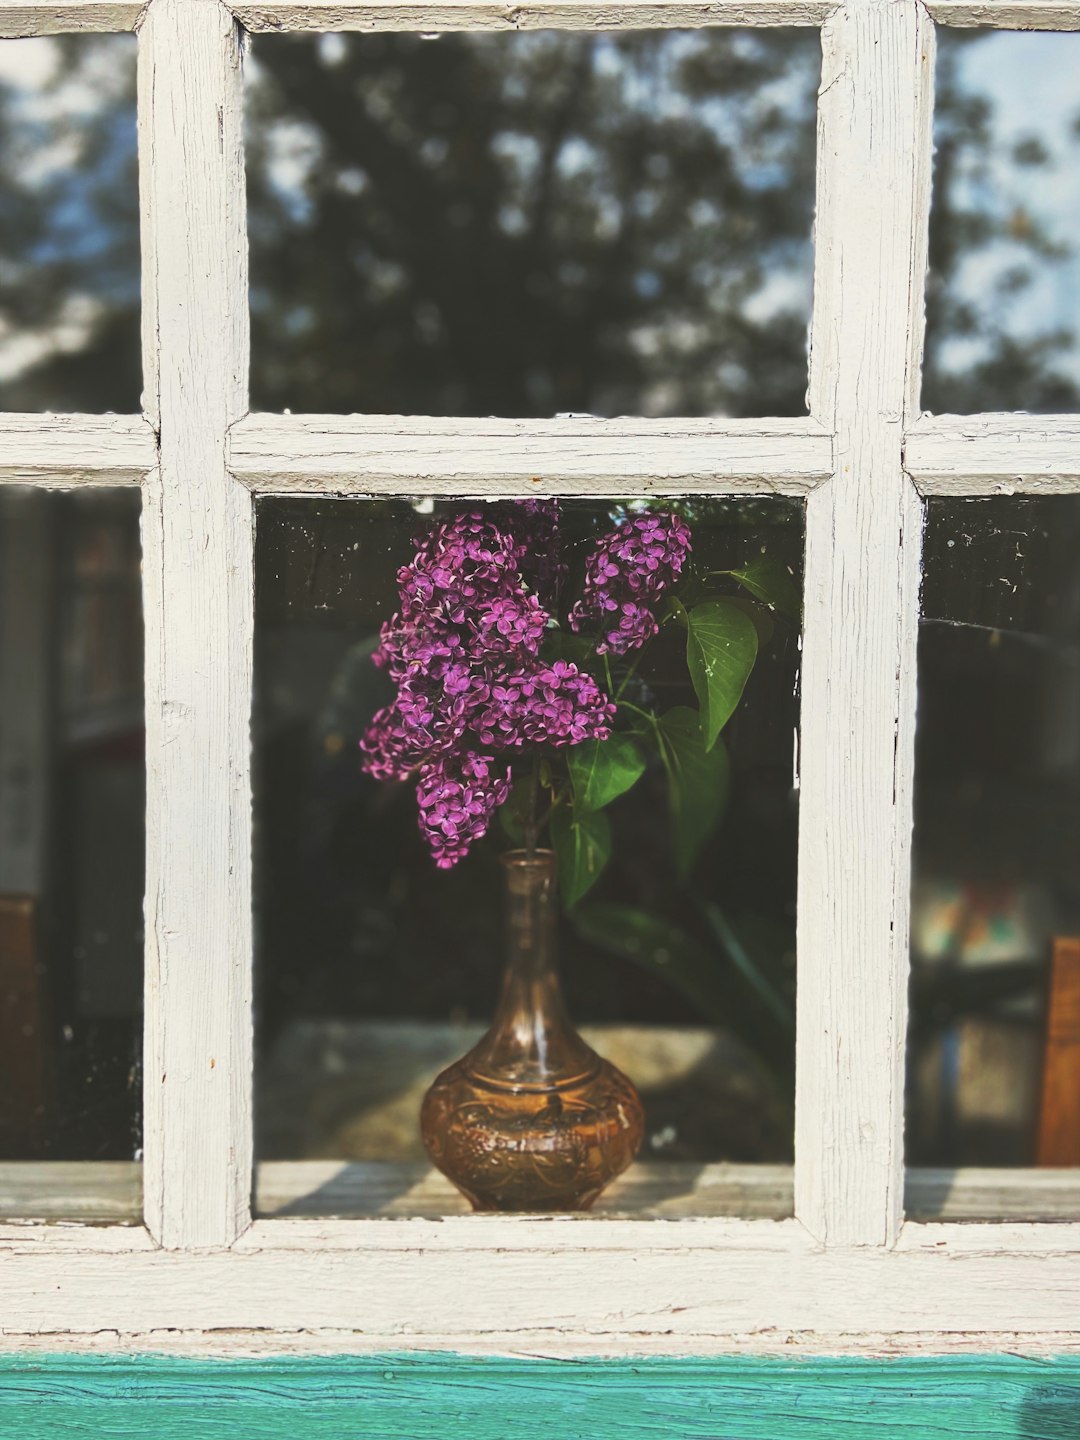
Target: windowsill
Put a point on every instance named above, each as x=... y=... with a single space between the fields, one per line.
x=98 y=1193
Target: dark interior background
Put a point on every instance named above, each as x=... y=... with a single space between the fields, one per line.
x=996 y=858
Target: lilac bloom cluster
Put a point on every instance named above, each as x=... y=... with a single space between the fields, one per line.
x=457 y=795
x=628 y=572
x=464 y=651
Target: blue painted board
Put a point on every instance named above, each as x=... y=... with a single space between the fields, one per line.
x=436 y=1396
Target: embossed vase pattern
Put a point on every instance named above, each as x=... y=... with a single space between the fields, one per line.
x=531 y=1119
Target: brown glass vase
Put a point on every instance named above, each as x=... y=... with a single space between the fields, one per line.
x=531 y=1118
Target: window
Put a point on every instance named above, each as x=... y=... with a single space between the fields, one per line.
x=862 y=462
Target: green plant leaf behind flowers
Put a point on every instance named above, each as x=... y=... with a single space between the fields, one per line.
x=721 y=647
x=583 y=845
x=698 y=781
x=602 y=770
x=657 y=945
x=767 y=578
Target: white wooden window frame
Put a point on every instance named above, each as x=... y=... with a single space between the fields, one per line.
x=847 y=1272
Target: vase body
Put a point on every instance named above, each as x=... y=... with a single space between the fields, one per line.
x=531 y=1119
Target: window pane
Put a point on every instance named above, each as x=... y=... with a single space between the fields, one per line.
x=1003 y=295
x=375 y=968
x=69 y=225
x=532 y=224
x=997 y=822
x=71 y=851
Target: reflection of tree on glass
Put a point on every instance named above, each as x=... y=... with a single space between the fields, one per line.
x=69 y=225
x=532 y=224
x=1003 y=295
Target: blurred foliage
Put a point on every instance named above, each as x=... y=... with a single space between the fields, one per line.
x=982 y=208
x=69 y=231
x=522 y=225
x=532 y=224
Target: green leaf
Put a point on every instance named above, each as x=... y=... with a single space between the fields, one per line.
x=602 y=770
x=583 y=845
x=697 y=782
x=721 y=647
x=769 y=579
x=657 y=945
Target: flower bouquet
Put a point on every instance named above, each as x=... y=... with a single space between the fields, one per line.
x=510 y=694
x=518 y=692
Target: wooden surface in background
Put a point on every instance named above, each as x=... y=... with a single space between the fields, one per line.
x=22 y=1039
x=1059 y=1121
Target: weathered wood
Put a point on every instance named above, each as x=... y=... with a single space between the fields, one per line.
x=81 y=1192
x=23 y=1028
x=860 y=625
x=1059 y=1117
x=198 y=616
x=59 y=17
x=657 y=1190
x=994 y=454
x=399 y=1396
x=352 y=453
x=415 y=1282
x=441 y=15
x=65 y=451
x=1008 y=14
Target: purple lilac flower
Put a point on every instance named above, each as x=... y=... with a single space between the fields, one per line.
x=457 y=796
x=464 y=651
x=544 y=705
x=627 y=573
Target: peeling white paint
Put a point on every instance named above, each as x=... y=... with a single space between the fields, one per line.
x=846 y=1275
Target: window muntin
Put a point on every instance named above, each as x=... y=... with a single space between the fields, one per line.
x=69 y=252
x=532 y=224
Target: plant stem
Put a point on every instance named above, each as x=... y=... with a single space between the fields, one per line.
x=636 y=709
x=531 y=826
x=629 y=675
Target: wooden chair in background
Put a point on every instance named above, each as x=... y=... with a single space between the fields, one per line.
x=1059 y=1116
x=22 y=1031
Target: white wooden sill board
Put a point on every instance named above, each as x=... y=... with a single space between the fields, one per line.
x=505 y=1281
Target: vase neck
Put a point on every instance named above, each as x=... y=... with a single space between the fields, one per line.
x=531 y=1042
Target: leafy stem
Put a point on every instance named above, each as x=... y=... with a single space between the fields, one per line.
x=531 y=826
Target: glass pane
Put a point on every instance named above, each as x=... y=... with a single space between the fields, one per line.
x=997 y=823
x=69 y=225
x=376 y=968
x=71 y=851
x=1003 y=294
x=532 y=224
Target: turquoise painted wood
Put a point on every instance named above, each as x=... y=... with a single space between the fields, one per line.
x=452 y=1397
